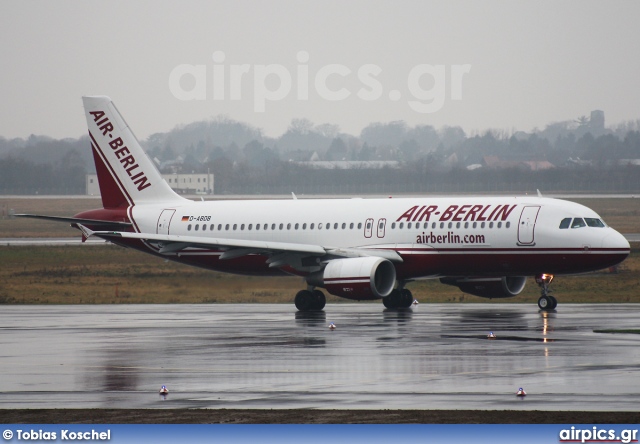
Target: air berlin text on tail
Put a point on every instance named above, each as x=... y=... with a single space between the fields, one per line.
x=122 y=152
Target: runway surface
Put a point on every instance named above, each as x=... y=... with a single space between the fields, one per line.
x=435 y=356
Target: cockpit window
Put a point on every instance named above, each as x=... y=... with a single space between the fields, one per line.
x=565 y=223
x=593 y=222
x=578 y=222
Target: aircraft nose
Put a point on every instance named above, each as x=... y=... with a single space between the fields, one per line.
x=615 y=240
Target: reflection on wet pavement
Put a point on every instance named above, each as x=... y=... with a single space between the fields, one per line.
x=270 y=356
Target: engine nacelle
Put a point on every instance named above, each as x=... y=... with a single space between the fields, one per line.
x=497 y=287
x=357 y=278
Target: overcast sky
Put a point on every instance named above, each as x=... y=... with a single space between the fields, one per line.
x=476 y=64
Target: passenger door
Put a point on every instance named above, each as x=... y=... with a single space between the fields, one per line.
x=527 y=225
x=164 y=221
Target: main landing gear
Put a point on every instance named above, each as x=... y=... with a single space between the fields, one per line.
x=310 y=300
x=546 y=301
x=399 y=298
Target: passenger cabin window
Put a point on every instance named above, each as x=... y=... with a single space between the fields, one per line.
x=565 y=223
x=578 y=222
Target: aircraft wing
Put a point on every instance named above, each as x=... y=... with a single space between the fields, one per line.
x=282 y=253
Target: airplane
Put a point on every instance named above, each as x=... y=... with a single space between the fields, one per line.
x=359 y=249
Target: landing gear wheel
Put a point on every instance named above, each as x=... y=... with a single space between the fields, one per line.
x=305 y=300
x=393 y=300
x=406 y=298
x=319 y=300
x=545 y=303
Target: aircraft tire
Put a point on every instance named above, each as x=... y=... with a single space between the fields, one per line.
x=554 y=302
x=319 y=300
x=304 y=300
x=406 y=298
x=393 y=300
x=545 y=303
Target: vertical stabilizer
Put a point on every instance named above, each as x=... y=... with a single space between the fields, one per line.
x=126 y=175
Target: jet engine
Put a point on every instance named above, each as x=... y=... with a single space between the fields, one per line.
x=356 y=278
x=494 y=287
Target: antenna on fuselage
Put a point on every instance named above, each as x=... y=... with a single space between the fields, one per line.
x=539 y=193
x=294 y=196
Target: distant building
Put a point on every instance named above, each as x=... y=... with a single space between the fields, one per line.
x=494 y=162
x=350 y=164
x=180 y=183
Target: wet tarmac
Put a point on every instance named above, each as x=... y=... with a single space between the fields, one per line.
x=434 y=356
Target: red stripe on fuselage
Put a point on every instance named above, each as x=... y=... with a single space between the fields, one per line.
x=422 y=263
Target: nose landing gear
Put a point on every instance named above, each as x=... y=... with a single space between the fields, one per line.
x=546 y=301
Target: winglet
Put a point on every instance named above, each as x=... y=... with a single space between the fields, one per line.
x=86 y=232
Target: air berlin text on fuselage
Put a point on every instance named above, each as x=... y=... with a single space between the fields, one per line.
x=457 y=213
x=122 y=152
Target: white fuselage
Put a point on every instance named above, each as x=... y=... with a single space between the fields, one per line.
x=476 y=226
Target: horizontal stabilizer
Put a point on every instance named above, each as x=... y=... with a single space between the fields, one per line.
x=75 y=220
